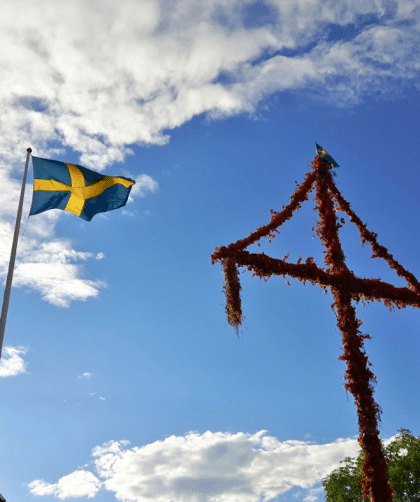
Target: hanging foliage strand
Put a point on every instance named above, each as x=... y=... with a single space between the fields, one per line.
x=232 y=288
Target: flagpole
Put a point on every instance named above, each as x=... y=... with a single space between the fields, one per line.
x=8 y=287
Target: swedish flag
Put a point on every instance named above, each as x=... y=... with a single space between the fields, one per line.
x=325 y=155
x=73 y=188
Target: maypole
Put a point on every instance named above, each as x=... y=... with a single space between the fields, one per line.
x=8 y=287
x=345 y=287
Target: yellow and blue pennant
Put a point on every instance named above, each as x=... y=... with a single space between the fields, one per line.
x=73 y=188
x=325 y=155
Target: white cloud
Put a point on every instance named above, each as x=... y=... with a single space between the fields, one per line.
x=11 y=363
x=131 y=214
x=213 y=466
x=77 y=484
x=100 y=256
x=102 y=398
x=144 y=183
x=50 y=268
x=58 y=283
x=85 y=375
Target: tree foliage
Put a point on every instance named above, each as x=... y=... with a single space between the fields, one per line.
x=403 y=460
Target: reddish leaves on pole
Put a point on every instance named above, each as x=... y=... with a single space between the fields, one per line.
x=345 y=287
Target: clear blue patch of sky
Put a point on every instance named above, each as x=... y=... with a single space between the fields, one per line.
x=253 y=15
x=32 y=103
x=258 y=14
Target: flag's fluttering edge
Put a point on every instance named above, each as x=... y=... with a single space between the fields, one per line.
x=73 y=188
x=325 y=155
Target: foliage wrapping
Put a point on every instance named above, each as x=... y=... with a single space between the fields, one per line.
x=375 y=474
x=344 y=287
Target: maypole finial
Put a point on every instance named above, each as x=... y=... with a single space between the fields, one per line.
x=323 y=154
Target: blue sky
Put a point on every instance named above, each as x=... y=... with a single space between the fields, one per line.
x=120 y=376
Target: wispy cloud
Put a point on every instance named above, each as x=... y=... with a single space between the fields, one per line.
x=11 y=363
x=206 y=467
x=51 y=268
x=77 y=484
x=144 y=183
x=85 y=375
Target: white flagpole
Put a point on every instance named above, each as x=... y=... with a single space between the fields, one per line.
x=8 y=287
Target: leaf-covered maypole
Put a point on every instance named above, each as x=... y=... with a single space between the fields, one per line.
x=344 y=286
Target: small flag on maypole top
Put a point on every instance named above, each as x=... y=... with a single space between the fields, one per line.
x=73 y=188
x=323 y=154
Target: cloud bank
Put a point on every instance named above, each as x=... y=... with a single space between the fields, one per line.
x=101 y=76
x=209 y=467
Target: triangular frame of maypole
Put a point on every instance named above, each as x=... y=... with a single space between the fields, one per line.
x=345 y=287
x=235 y=255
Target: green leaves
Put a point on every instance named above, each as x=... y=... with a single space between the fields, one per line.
x=403 y=460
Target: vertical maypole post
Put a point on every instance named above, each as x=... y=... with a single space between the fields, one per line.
x=8 y=287
x=360 y=379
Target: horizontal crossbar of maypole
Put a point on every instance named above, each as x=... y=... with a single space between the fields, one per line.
x=368 y=289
